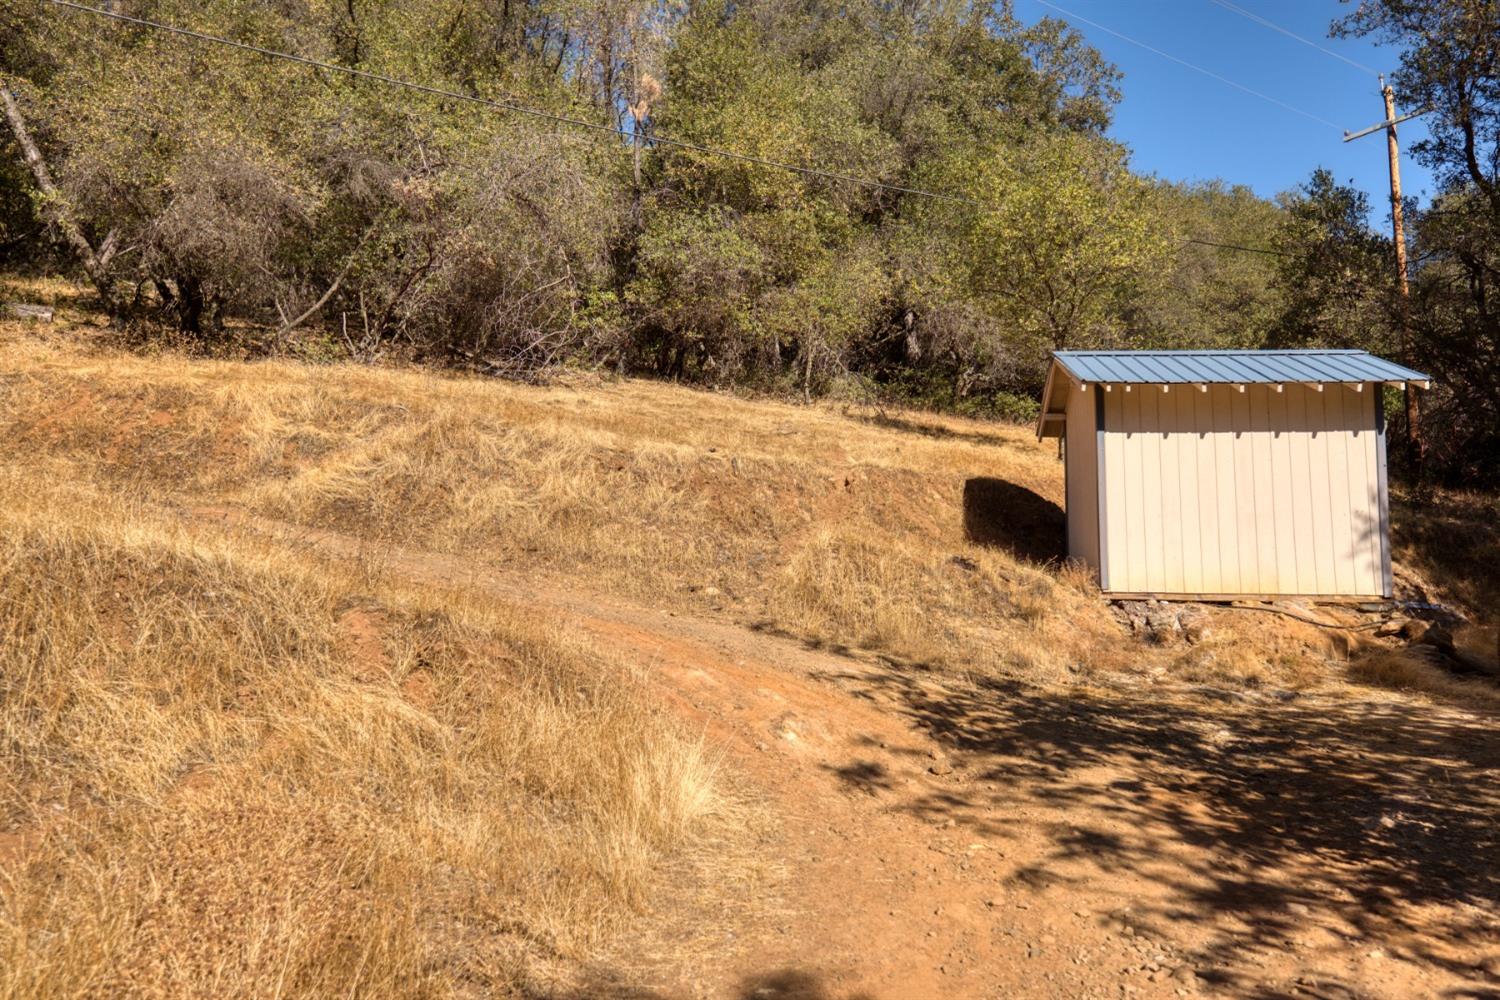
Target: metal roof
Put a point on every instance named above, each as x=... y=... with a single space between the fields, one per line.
x=1235 y=367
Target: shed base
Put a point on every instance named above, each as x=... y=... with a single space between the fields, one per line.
x=1121 y=595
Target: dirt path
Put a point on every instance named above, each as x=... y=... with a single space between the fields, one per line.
x=949 y=839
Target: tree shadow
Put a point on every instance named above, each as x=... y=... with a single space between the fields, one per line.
x=1005 y=515
x=1253 y=821
x=909 y=426
x=791 y=984
x=779 y=984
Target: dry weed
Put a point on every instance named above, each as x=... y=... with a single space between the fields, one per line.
x=233 y=771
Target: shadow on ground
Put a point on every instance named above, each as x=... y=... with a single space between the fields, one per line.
x=908 y=425
x=1005 y=515
x=779 y=984
x=1250 y=821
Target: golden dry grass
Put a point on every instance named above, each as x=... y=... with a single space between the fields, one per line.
x=812 y=520
x=235 y=769
x=232 y=771
x=837 y=524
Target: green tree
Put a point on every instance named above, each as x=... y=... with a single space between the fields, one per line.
x=1450 y=64
x=1212 y=296
x=1054 y=237
x=1335 y=274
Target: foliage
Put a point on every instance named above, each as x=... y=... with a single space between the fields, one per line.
x=1336 y=271
x=1450 y=64
x=1212 y=296
x=250 y=202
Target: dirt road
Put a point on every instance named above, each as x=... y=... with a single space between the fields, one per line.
x=948 y=838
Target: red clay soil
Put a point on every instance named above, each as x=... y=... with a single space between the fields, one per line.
x=942 y=838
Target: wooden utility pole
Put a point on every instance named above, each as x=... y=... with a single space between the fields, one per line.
x=1414 y=444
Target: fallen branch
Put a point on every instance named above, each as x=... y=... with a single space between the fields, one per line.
x=1300 y=616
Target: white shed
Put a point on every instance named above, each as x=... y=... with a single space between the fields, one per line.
x=1226 y=474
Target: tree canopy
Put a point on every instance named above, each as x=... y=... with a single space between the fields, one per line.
x=959 y=211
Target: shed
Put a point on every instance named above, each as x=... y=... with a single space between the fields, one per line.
x=1226 y=474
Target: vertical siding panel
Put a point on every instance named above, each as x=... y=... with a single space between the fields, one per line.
x=1205 y=451
x=1364 y=488
x=1346 y=544
x=1319 y=489
x=1242 y=477
x=1298 y=471
x=1116 y=490
x=1083 y=476
x=1154 y=491
x=1133 y=455
x=1231 y=570
x=1266 y=523
x=1284 y=513
x=1190 y=549
x=1382 y=497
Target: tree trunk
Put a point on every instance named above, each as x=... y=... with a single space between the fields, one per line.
x=55 y=208
x=190 y=305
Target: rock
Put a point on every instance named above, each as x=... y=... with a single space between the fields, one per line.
x=1131 y=614
x=1413 y=629
x=1185 y=975
x=1440 y=637
x=25 y=310
x=940 y=764
x=1194 y=624
x=1162 y=625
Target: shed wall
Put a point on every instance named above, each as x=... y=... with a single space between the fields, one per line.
x=1230 y=492
x=1082 y=455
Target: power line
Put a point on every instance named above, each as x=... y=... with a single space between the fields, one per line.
x=1264 y=22
x=519 y=109
x=1236 y=246
x=560 y=119
x=1183 y=62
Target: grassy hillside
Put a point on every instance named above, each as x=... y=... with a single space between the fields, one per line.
x=229 y=771
x=933 y=539
x=302 y=774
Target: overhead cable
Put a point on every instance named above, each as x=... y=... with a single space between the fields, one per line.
x=1192 y=66
x=1265 y=22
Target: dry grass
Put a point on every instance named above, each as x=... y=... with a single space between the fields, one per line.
x=839 y=525
x=1451 y=541
x=232 y=771
x=1410 y=671
x=816 y=521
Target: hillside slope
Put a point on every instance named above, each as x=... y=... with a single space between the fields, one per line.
x=276 y=634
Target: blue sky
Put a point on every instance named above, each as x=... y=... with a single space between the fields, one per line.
x=1183 y=125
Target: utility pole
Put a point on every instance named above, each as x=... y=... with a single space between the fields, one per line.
x=1414 y=444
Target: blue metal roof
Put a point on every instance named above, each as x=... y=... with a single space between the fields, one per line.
x=1236 y=367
